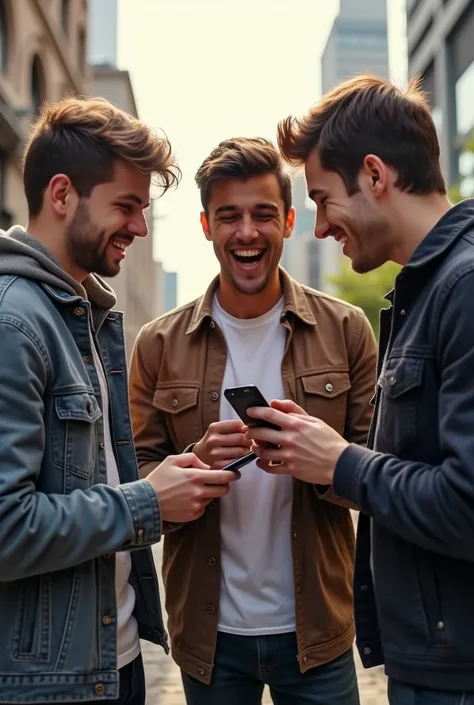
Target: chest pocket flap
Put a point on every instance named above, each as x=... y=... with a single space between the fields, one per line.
x=176 y=399
x=400 y=376
x=326 y=384
x=77 y=407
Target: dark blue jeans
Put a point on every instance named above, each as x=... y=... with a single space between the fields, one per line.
x=405 y=694
x=244 y=664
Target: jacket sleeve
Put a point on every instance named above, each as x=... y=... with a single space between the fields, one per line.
x=431 y=506
x=40 y=532
x=362 y=373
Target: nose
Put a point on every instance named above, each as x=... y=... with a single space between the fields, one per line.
x=138 y=226
x=321 y=227
x=247 y=230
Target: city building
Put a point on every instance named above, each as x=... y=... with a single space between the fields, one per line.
x=171 y=291
x=298 y=256
x=441 y=50
x=42 y=58
x=357 y=43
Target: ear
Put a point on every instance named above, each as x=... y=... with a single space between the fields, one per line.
x=290 y=223
x=205 y=226
x=61 y=194
x=376 y=174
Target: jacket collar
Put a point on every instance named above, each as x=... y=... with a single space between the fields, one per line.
x=294 y=296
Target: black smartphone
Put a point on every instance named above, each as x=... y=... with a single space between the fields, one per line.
x=242 y=398
x=240 y=462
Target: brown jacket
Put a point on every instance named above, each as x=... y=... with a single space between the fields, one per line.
x=175 y=384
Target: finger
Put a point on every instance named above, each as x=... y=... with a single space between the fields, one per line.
x=226 y=427
x=271 y=455
x=260 y=434
x=287 y=406
x=214 y=491
x=272 y=415
x=188 y=460
x=215 y=477
x=234 y=439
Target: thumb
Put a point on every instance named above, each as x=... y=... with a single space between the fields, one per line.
x=190 y=460
x=287 y=406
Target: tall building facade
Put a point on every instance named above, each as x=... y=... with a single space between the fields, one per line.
x=441 y=50
x=298 y=255
x=357 y=43
x=43 y=57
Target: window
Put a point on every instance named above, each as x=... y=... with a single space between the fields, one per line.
x=3 y=39
x=81 y=50
x=464 y=101
x=65 y=16
x=37 y=85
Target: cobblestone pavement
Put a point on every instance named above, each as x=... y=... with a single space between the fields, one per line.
x=164 y=681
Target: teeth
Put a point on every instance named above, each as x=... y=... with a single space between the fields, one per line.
x=121 y=245
x=247 y=253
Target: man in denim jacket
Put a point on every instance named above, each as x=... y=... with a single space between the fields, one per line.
x=78 y=587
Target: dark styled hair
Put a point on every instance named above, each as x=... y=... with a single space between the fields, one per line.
x=368 y=115
x=83 y=138
x=242 y=158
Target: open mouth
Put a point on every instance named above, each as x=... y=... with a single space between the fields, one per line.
x=120 y=245
x=248 y=257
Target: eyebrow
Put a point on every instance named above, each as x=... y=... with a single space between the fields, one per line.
x=258 y=206
x=133 y=197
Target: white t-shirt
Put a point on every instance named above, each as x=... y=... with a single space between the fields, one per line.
x=257 y=593
x=128 y=643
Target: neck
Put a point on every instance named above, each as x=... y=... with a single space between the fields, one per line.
x=416 y=216
x=53 y=239
x=242 y=305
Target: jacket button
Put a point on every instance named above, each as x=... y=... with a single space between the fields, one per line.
x=106 y=620
x=214 y=396
x=102 y=445
x=175 y=402
x=211 y=325
x=201 y=671
x=392 y=380
x=85 y=359
x=403 y=312
x=367 y=651
x=140 y=535
x=211 y=609
x=99 y=689
x=329 y=387
x=364 y=588
x=212 y=561
x=90 y=408
x=79 y=311
x=305 y=658
x=440 y=626
x=295 y=536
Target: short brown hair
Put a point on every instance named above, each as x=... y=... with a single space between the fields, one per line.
x=368 y=115
x=242 y=158
x=83 y=138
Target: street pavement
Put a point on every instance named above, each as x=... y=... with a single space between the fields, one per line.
x=164 y=681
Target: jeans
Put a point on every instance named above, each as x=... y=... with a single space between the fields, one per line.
x=405 y=694
x=132 y=686
x=244 y=664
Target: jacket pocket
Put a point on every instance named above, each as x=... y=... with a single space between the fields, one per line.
x=425 y=567
x=31 y=635
x=325 y=397
x=75 y=433
x=179 y=403
x=400 y=383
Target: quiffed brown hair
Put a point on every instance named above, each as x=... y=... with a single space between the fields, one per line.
x=368 y=115
x=83 y=138
x=242 y=158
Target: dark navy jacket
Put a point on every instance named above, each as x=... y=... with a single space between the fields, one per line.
x=415 y=608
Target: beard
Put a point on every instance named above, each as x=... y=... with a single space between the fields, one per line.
x=368 y=234
x=86 y=244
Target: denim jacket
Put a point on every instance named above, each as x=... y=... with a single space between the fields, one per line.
x=60 y=523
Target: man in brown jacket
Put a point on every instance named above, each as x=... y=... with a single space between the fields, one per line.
x=259 y=588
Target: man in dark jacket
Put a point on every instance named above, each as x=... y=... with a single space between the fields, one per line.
x=371 y=157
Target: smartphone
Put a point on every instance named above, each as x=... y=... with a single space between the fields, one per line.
x=240 y=462
x=242 y=398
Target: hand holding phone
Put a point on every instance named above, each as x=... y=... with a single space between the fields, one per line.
x=242 y=398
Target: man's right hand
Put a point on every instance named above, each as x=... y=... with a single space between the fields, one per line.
x=223 y=442
x=185 y=485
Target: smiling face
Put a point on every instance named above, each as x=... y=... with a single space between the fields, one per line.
x=104 y=225
x=247 y=225
x=357 y=221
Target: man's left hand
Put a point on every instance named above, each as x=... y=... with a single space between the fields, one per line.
x=308 y=449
